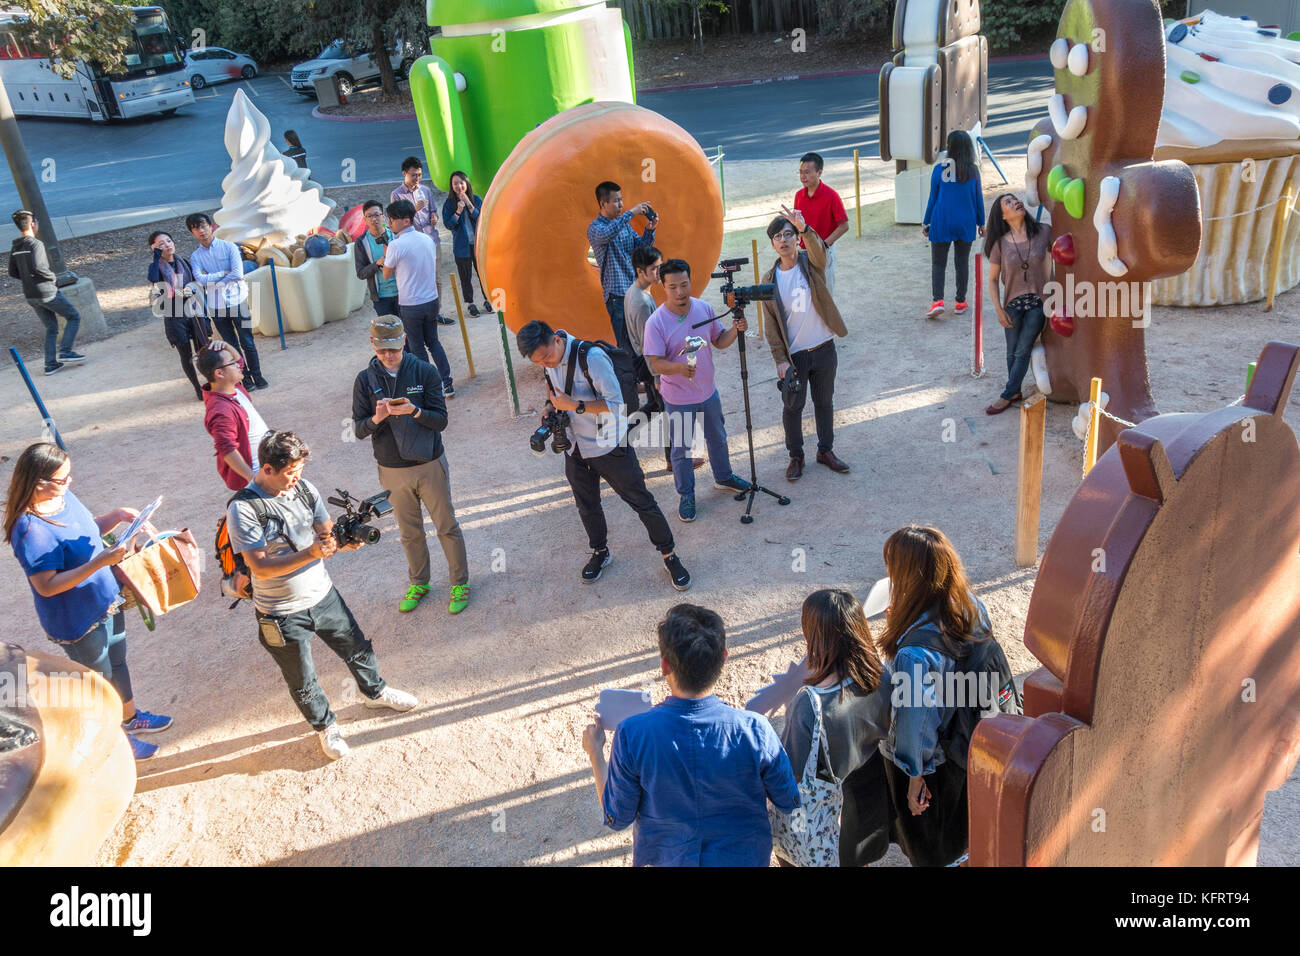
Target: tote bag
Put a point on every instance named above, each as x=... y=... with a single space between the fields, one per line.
x=810 y=835
x=164 y=574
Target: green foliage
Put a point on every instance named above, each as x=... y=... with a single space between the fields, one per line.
x=72 y=30
x=845 y=17
x=1007 y=23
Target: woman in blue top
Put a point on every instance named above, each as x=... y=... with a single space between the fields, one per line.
x=953 y=216
x=78 y=600
x=929 y=591
x=460 y=212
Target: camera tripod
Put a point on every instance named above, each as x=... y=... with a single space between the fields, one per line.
x=736 y=305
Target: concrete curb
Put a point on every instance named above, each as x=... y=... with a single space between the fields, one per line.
x=383 y=118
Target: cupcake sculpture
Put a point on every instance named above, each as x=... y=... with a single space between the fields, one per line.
x=1232 y=112
x=1118 y=218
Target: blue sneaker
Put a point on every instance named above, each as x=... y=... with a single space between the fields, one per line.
x=733 y=483
x=146 y=723
x=686 y=510
x=141 y=750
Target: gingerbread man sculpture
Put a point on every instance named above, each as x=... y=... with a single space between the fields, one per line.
x=1118 y=218
x=1166 y=616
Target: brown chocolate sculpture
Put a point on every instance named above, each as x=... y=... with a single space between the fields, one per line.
x=1167 y=619
x=1118 y=218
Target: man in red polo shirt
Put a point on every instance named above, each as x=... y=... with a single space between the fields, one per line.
x=822 y=209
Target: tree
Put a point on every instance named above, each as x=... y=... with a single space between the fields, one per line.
x=370 y=23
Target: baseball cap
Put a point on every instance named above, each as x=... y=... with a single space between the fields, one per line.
x=387 y=332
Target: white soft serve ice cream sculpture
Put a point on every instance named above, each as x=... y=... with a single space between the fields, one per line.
x=265 y=194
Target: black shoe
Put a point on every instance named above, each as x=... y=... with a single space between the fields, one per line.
x=259 y=382
x=487 y=307
x=446 y=320
x=681 y=577
x=448 y=391
x=473 y=309
x=599 y=562
x=248 y=383
x=71 y=358
x=51 y=369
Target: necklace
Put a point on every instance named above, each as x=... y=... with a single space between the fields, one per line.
x=1024 y=263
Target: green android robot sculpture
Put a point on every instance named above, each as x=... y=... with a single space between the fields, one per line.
x=501 y=67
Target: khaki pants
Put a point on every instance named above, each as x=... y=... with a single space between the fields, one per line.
x=430 y=485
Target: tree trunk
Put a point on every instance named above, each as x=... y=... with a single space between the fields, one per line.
x=778 y=16
x=379 y=51
x=29 y=190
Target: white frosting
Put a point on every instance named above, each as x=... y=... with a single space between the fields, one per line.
x=1034 y=166
x=1077 y=61
x=1230 y=99
x=1107 y=244
x=265 y=193
x=1067 y=127
x=1058 y=52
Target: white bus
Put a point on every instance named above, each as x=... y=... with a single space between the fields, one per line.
x=155 y=80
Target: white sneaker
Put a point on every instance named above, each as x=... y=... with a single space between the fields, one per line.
x=332 y=742
x=394 y=698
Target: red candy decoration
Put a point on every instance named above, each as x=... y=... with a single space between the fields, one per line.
x=1062 y=325
x=353 y=222
x=1206 y=56
x=1063 y=250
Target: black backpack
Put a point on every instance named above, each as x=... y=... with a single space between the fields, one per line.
x=624 y=368
x=988 y=663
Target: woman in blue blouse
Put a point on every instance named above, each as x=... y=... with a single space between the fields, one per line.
x=78 y=601
x=953 y=216
x=460 y=212
x=929 y=591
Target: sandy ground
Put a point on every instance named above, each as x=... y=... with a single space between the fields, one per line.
x=489 y=770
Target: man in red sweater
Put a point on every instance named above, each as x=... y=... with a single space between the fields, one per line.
x=822 y=209
x=229 y=416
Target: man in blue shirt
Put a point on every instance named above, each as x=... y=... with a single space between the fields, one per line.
x=219 y=268
x=612 y=240
x=368 y=255
x=693 y=775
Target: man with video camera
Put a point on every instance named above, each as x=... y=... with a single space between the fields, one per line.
x=586 y=413
x=397 y=402
x=280 y=526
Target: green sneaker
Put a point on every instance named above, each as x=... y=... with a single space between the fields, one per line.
x=413 y=595
x=459 y=598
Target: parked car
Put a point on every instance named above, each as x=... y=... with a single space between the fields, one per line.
x=215 y=65
x=349 y=71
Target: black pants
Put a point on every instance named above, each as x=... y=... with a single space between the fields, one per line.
x=463 y=266
x=940 y=835
x=241 y=340
x=939 y=266
x=816 y=369
x=618 y=323
x=186 y=351
x=622 y=472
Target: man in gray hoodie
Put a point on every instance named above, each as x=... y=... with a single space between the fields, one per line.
x=397 y=402
x=28 y=262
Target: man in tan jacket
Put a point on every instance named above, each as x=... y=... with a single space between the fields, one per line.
x=802 y=322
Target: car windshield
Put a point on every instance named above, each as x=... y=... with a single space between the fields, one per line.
x=334 y=51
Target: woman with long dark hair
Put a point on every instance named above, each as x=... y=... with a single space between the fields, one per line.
x=295 y=150
x=953 y=217
x=844 y=704
x=59 y=544
x=1019 y=253
x=460 y=212
x=176 y=301
x=929 y=592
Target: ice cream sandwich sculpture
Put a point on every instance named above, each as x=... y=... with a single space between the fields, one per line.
x=936 y=82
x=1118 y=218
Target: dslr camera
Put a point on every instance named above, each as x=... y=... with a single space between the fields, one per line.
x=554 y=426
x=350 y=527
x=737 y=297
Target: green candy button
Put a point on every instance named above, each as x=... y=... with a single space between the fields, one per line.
x=1055 y=180
x=1073 y=198
x=1190 y=77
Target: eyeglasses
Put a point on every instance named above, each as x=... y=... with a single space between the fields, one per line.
x=229 y=365
x=373 y=215
x=58 y=482
x=787 y=235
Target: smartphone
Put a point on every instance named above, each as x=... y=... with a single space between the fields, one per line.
x=399 y=401
x=271 y=632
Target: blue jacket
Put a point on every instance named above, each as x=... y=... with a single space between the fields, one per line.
x=954 y=209
x=464 y=228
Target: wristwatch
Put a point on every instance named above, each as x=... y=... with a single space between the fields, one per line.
x=582 y=407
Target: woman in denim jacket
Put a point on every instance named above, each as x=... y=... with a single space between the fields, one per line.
x=929 y=591
x=460 y=212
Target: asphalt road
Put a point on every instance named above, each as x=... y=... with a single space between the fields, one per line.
x=182 y=158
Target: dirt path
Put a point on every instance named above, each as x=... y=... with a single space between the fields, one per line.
x=489 y=769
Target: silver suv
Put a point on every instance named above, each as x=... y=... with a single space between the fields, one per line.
x=349 y=72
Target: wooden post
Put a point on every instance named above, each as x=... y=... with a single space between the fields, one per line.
x=1029 y=489
x=1279 y=232
x=464 y=333
x=753 y=257
x=722 y=181
x=1094 y=423
x=857 y=191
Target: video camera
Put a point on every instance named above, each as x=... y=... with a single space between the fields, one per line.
x=351 y=527
x=737 y=297
x=555 y=427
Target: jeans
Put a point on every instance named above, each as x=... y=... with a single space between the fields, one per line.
x=622 y=471
x=1026 y=324
x=49 y=311
x=939 y=266
x=617 y=322
x=103 y=650
x=684 y=419
x=241 y=339
x=816 y=369
x=333 y=623
x=385 y=305
x=421 y=324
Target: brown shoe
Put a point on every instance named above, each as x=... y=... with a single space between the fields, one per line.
x=828 y=459
x=794 y=471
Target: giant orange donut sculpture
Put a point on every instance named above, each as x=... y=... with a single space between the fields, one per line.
x=532 y=239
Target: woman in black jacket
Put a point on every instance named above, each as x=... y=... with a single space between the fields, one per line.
x=295 y=150
x=173 y=300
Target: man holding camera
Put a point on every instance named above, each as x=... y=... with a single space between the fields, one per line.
x=595 y=425
x=612 y=240
x=397 y=403
x=681 y=354
x=802 y=322
x=368 y=258
x=280 y=525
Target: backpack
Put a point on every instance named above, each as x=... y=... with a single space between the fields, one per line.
x=985 y=660
x=235 y=577
x=624 y=369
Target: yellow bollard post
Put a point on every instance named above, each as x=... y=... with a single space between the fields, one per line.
x=1284 y=207
x=1094 y=423
x=753 y=247
x=857 y=191
x=464 y=333
x=1029 y=484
